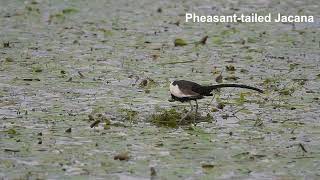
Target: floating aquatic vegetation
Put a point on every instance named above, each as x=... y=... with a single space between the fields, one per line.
x=230 y=68
x=69 y=10
x=8 y=59
x=217 y=40
x=168 y=118
x=231 y=78
x=129 y=114
x=37 y=69
x=172 y=118
x=123 y=156
x=180 y=42
x=147 y=83
x=97 y=119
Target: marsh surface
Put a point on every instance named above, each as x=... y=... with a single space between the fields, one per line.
x=62 y=61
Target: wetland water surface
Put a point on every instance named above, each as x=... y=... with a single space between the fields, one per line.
x=65 y=64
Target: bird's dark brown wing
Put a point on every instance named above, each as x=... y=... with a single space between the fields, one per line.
x=188 y=87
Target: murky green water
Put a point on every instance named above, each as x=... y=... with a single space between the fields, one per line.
x=64 y=60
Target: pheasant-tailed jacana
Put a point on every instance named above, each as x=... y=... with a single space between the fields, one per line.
x=186 y=91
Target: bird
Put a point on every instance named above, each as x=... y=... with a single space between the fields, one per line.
x=187 y=91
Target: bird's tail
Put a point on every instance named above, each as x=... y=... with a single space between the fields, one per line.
x=218 y=86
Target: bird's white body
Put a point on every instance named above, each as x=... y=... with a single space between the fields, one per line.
x=175 y=90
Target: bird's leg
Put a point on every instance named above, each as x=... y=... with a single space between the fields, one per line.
x=214 y=95
x=186 y=115
x=196 y=115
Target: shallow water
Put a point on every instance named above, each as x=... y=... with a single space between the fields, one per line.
x=69 y=59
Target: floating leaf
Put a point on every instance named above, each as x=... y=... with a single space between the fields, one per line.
x=123 y=156
x=69 y=10
x=180 y=42
x=11 y=131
